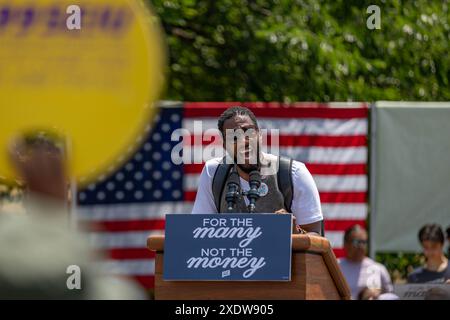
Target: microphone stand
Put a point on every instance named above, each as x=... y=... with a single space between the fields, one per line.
x=253 y=193
x=233 y=190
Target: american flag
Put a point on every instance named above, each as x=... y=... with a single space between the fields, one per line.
x=331 y=139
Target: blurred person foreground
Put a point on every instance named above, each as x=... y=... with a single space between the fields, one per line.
x=41 y=256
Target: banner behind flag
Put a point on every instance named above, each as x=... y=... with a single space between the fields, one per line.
x=331 y=139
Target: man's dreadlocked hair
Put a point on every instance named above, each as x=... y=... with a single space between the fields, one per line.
x=235 y=111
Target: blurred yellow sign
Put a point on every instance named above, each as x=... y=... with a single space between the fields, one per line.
x=96 y=84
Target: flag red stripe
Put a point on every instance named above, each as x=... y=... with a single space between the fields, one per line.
x=325 y=197
x=342 y=225
x=337 y=169
x=332 y=169
x=293 y=141
x=147 y=282
x=343 y=197
x=339 y=253
x=127 y=225
x=129 y=253
x=190 y=195
x=320 y=141
x=193 y=168
x=277 y=110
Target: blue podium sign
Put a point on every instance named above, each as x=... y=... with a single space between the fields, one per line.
x=228 y=247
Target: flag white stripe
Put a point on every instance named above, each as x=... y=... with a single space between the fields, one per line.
x=335 y=127
x=134 y=211
x=120 y=240
x=135 y=267
x=338 y=211
x=344 y=211
x=341 y=183
x=325 y=183
x=330 y=155
x=336 y=238
x=324 y=155
x=347 y=104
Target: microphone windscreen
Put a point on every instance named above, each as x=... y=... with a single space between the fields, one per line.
x=234 y=177
x=254 y=175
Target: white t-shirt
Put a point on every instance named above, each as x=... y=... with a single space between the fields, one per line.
x=366 y=273
x=305 y=203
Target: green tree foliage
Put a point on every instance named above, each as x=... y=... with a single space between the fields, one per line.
x=306 y=50
x=400 y=264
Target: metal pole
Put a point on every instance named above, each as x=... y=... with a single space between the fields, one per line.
x=372 y=175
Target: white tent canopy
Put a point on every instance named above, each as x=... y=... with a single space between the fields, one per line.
x=410 y=172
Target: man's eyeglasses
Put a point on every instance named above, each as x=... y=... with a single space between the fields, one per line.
x=359 y=243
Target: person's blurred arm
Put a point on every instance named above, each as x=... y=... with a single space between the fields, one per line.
x=386 y=283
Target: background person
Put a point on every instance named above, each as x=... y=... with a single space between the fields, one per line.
x=436 y=268
x=360 y=271
x=448 y=242
x=375 y=294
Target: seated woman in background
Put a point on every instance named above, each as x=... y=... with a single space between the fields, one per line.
x=436 y=268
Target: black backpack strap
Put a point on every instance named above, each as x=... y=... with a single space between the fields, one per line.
x=218 y=183
x=322 y=228
x=285 y=184
x=284 y=177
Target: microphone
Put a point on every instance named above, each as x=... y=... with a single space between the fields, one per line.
x=253 y=193
x=233 y=191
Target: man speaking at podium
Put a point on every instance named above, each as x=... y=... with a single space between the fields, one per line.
x=248 y=180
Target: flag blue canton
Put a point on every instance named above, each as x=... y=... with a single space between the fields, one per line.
x=150 y=175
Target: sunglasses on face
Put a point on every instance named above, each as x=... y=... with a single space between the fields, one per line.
x=359 y=243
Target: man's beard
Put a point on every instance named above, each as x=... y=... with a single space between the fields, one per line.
x=247 y=168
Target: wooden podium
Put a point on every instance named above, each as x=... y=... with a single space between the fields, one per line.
x=315 y=275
